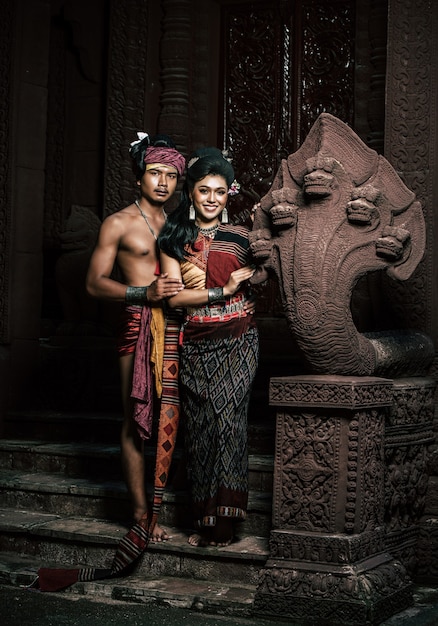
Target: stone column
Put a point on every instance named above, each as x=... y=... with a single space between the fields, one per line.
x=328 y=562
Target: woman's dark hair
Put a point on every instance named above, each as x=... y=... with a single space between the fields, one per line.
x=178 y=229
x=138 y=150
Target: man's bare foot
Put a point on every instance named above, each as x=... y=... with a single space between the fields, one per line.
x=159 y=534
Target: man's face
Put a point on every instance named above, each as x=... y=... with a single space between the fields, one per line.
x=159 y=183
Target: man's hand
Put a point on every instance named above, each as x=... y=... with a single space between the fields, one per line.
x=164 y=287
x=250 y=305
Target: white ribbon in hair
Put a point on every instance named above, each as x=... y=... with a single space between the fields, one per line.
x=140 y=136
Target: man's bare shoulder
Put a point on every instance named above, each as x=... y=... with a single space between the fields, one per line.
x=122 y=214
x=120 y=219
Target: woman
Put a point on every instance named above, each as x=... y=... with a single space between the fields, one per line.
x=219 y=351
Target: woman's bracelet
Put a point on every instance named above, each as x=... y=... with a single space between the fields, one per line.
x=215 y=294
x=136 y=295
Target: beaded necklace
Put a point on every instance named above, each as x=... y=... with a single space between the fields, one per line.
x=210 y=231
x=144 y=216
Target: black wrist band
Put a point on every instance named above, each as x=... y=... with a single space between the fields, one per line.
x=215 y=294
x=136 y=295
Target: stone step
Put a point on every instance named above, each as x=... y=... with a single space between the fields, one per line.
x=104 y=427
x=108 y=499
x=29 y=540
x=66 y=426
x=209 y=597
x=92 y=460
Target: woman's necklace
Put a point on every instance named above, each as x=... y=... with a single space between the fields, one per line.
x=146 y=219
x=210 y=231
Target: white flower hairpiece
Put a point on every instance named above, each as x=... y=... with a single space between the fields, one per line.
x=234 y=188
x=140 y=136
x=192 y=161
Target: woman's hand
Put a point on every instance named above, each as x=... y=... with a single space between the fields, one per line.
x=237 y=278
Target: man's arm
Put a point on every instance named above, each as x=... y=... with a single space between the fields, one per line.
x=99 y=282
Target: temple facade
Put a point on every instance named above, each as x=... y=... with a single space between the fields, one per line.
x=79 y=78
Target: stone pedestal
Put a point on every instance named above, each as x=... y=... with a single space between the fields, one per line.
x=328 y=563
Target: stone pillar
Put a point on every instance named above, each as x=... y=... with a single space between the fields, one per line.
x=328 y=563
x=175 y=57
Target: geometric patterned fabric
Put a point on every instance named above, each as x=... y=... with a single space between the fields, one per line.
x=216 y=379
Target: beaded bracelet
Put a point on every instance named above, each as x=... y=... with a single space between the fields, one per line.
x=215 y=294
x=136 y=295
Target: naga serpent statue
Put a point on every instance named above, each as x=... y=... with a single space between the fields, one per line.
x=336 y=211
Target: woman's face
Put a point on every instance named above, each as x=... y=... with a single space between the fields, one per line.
x=209 y=197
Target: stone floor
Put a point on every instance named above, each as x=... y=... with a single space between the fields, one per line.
x=21 y=607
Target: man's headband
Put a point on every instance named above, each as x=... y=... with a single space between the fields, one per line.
x=165 y=156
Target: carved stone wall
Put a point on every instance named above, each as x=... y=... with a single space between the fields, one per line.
x=126 y=92
x=411 y=145
x=410 y=138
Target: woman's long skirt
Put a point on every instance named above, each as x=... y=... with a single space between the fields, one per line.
x=216 y=377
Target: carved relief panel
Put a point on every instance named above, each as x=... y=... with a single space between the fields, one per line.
x=284 y=63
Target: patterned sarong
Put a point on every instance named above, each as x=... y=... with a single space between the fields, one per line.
x=216 y=379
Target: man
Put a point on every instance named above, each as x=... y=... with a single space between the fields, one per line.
x=127 y=239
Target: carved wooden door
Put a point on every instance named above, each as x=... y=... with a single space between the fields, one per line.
x=284 y=63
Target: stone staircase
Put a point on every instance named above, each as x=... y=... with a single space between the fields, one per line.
x=63 y=503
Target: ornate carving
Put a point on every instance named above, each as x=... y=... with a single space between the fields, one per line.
x=175 y=57
x=126 y=96
x=308 y=474
x=371 y=464
x=330 y=391
x=409 y=433
x=352 y=597
x=349 y=214
x=252 y=121
x=327 y=62
x=329 y=461
x=334 y=549
x=289 y=70
x=427 y=550
x=334 y=538
x=410 y=128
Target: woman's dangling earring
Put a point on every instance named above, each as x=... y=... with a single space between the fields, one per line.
x=192 y=214
x=224 y=218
